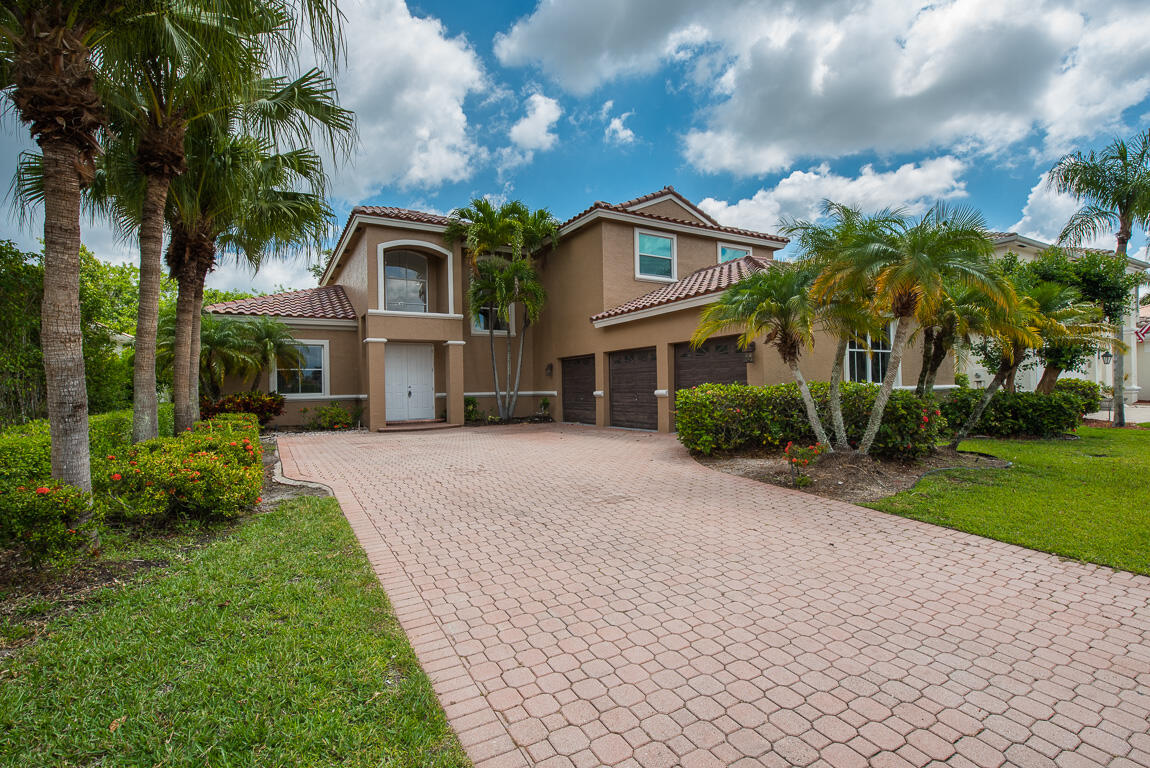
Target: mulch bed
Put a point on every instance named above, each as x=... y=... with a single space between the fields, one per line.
x=847 y=476
x=1107 y=424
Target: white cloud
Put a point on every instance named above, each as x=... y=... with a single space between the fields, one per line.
x=782 y=81
x=1046 y=213
x=617 y=131
x=913 y=186
x=533 y=130
x=407 y=81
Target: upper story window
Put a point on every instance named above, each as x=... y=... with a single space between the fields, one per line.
x=305 y=374
x=654 y=256
x=405 y=281
x=868 y=358
x=732 y=252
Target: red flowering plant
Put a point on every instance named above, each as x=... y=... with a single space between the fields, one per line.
x=799 y=458
x=40 y=519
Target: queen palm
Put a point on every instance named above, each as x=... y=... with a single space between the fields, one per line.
x=1114 y=188
x=907 y=261
x=775 y=303
x=240 y=197
x=266 y=341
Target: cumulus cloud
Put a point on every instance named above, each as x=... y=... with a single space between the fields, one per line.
x=783 y=81
x=617 y=131
x=1046 y=213
x=407 y=81
x=533 y=130
x=913 y=186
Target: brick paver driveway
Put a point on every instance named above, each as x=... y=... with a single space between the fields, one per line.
x=594 y=597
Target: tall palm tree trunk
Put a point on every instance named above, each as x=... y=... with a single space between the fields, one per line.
x=182 y=370
x=809 y=402
x=518 y=366
x=897 y=347
x=60 y=332
x=494 y=364
x=1125 y=230
x=940 y=347
x=927 y=349
x=836 y=395
x=505 y=398
x=194 y=349
x=145 y=418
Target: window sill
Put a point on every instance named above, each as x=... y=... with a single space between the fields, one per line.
x=653 y=279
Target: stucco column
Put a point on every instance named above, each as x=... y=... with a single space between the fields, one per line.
x=602 y=376
x=375 y=412
x=664 y=378
x=454 y=355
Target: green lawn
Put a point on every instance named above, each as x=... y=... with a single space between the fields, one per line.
x=1087 y=499
x=271 y=646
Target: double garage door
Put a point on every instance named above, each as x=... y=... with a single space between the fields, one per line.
x=633 y=379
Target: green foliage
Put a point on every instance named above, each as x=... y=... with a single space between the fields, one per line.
x=40 y=520
x=799 y=458
x=333 y=416
x=1016 y=414
x=471 y=409
x=211 y=472
x=1088 y=393
x=263 y=406
x=730 y=417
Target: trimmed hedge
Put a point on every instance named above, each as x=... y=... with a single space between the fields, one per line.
x=1088 y=393
x=264 y=406
x=210 y=472
x=1016 y=414
x=729 y=417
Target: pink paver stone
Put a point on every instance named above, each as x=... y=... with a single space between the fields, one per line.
x=586 y=597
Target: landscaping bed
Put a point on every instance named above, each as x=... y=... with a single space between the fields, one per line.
x=845 y=476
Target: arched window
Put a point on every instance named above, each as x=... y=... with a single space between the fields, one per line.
x=405 y=281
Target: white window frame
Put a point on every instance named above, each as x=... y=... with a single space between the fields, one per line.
x=870 y=360
x=381 y=278
x=719 y=251
x=426 y=281
x=326 y=377
x=477 y=331
x=674 y=256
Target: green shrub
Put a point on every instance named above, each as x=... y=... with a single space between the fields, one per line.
x=40 y=520
x=265 y=406
x=1016 y=414
x=1088 y=393
x=727 y=417
x=213 y=471
x=332 y=416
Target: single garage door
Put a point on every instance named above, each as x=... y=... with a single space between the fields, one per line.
x=633 y=383
x=578 y=377
x=718 y=361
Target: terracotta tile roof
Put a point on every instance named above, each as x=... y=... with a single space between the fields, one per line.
x=699 y=283
x=669 y=190
x=599 y=205
x=328 y=302
x=404 y=214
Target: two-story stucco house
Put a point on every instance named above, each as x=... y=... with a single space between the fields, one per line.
x=389 y=327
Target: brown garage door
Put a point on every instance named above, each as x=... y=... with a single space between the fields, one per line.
x=633 y=383
x=718 y=361
x=578 y=389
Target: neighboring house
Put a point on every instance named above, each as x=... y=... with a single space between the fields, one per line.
x=389 y=328
x=1027 y=249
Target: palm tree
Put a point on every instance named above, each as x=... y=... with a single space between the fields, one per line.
x=241 y=197
x=267 y=340
x=225 y=350
x=907 y=261
x=485 y=229
x=1114 y=187
x=848 y=313
x=1034 y=313
x=775 y=303
x=963 y=314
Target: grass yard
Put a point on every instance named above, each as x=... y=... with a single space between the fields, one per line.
x=1087 y=499
x=272 y=646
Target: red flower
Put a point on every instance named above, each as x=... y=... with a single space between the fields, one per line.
x=111 y=457
x=115 y=475
x=259 y=499
x=42 y=490
x=232 y=443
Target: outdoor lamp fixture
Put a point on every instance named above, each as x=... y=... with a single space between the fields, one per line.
x=1107 y=356
x=749 y=353
x=550 y=369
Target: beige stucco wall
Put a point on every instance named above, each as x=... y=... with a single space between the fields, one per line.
x=672 y=210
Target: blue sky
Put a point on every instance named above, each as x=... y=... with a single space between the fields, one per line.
x=755 y=109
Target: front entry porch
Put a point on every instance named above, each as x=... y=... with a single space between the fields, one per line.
x=413 y=382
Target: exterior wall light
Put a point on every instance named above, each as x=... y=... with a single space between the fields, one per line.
x=749 y=353
x=1107 y=356
x=550 y=369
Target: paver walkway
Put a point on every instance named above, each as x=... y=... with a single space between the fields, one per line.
x=594 y=597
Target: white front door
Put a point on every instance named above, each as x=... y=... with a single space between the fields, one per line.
x=409 y=381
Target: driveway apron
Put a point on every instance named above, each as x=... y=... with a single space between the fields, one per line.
x=586 y=597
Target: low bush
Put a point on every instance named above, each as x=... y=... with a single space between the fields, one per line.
x=332 y=416
x=41 y=520
x=264 y=406
x=1016 y=414
x=1088 y=393
x=728 y=417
